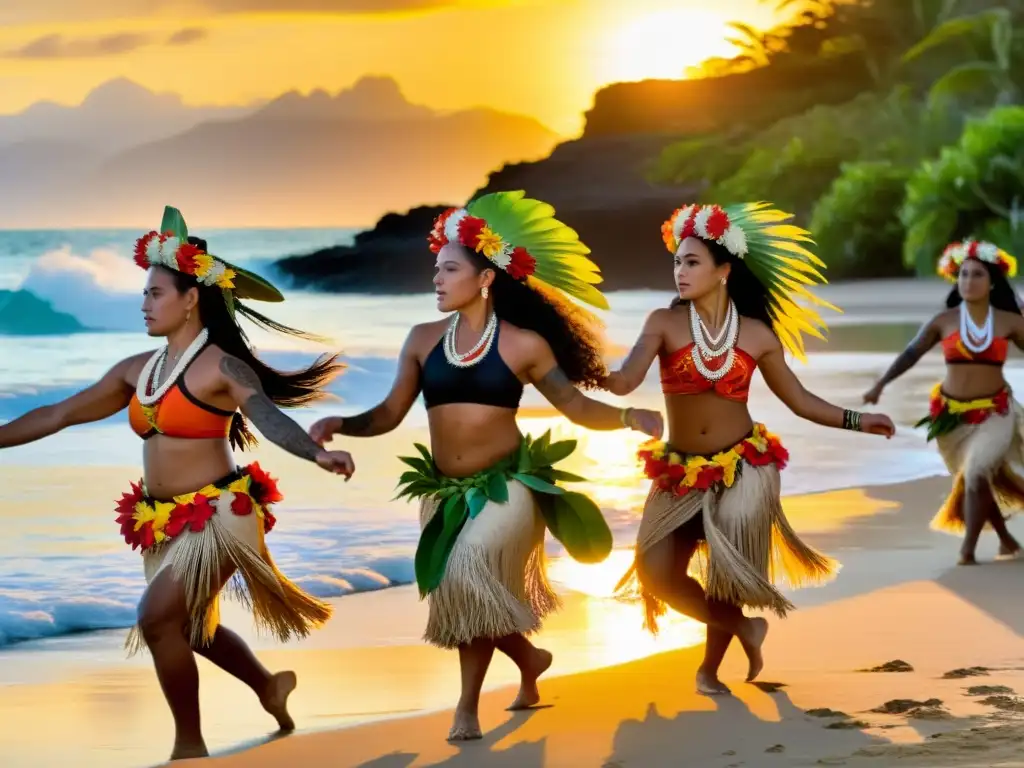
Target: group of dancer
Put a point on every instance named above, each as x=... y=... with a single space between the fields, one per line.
x=713 y=537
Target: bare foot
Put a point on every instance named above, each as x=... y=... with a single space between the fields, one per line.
x=752 y=639
x=529 y=696
x=1009 y=549
x=275 y=698
x=465 y=727
x=966 y=560
x=186 y=751
x=709 y=684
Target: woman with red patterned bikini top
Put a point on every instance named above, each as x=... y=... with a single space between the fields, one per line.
x=715 y=490
x=972 y=415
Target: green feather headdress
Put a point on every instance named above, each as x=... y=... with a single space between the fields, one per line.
x=522 y=237
x=170 y=248
x=773 y=250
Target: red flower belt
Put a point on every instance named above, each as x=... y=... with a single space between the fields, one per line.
x=946 y=414
x=146 y=522
x=679 y=473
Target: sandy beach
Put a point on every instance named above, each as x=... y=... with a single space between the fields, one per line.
x=370 y=694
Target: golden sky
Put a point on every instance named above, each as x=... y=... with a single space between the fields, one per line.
x=538 y=57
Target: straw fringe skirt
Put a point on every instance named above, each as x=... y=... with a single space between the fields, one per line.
x=279 y=606
x=992 y=452
x=495 y=582
x=749 y=544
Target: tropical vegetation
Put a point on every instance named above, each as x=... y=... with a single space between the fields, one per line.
x=931 y=150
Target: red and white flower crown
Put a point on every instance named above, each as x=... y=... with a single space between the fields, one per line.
x=167 y=250
x=708 y=222
x=456 y=225
x=957 y=253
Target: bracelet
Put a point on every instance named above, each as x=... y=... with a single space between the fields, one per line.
x=624 y=417
x=851 y=420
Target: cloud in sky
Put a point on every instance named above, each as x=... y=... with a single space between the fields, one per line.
x=66 y=11
x=60 y=47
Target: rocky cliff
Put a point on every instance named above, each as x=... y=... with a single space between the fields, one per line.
x=597 y=183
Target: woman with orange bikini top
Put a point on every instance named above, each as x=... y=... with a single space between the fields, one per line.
x=972 y=415
x=715 y=490
x=196 y=517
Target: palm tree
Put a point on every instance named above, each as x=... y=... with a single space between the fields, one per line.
x=991 y=38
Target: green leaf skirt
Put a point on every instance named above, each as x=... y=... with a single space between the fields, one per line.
x=573 y=518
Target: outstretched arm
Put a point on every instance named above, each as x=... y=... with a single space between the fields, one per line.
x=787 y=387
x=926 y=338
x=552 y=382
x=390 y=412
x=634 y=368
x=245 y=389
x=106 y=397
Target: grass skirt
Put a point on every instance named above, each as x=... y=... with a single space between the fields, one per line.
x=993 y=452
x=197 y=535
x=748 y=545
x=495 y=581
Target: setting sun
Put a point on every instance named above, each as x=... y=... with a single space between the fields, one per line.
x=664 y=44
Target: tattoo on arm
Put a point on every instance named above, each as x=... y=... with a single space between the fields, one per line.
x=556 y=387
x=641 y=354
x=906 y=360
x=268 y=418
x=365 y=424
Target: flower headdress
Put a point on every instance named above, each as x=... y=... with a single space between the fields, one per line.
x=956 y=253
x=522 y=237
x=170 y=248
x=759 y=235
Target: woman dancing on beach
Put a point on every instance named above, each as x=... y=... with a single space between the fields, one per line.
x=972 y=415
x=487 y=492
x=196 y=517
x=715 y=490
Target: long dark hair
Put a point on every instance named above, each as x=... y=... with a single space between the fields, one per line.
x=568 y=329
x=286 y=390
x=1002 y=295
x=747 y=292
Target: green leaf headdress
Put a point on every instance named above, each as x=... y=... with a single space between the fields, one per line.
x=758 y=234
x=170 y=248
x=522 y=237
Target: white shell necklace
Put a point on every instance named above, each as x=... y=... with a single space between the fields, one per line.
x=479 y=350
x=706 y=352
x=154 y=368
x=976 y=338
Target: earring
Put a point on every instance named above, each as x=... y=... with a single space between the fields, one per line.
x=723 y=281
x=484 y=292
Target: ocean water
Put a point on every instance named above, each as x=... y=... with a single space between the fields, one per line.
x=63 y=568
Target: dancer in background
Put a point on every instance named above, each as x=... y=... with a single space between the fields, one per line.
x=505 y=267
x=972 y=415
x=196 y=517
x=715 y=493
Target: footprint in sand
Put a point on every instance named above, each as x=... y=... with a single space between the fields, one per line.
x=930 y=709
x=988 y=690
x=825 y=712
x=848 y=725
x=776 y=749
x=1005 y=703
x=768 y=687
x=960 y=674
x=897 y=665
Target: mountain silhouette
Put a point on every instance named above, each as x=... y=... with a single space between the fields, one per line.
x=313 y=160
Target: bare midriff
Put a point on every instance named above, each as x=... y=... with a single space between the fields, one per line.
x=466 y=438
x=705 y=423
x=174 y=465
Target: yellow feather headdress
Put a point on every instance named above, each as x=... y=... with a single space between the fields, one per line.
x=773 y=250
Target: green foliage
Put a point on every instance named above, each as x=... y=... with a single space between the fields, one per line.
x=855 y=224
x=573 y=519
x=972 y=187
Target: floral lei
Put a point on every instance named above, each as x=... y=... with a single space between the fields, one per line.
x=166 y=250
x=956 y=253
x=146 y=522
x=456 y=226
x=678 y=474
x=945 y=414
x=708 y=222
